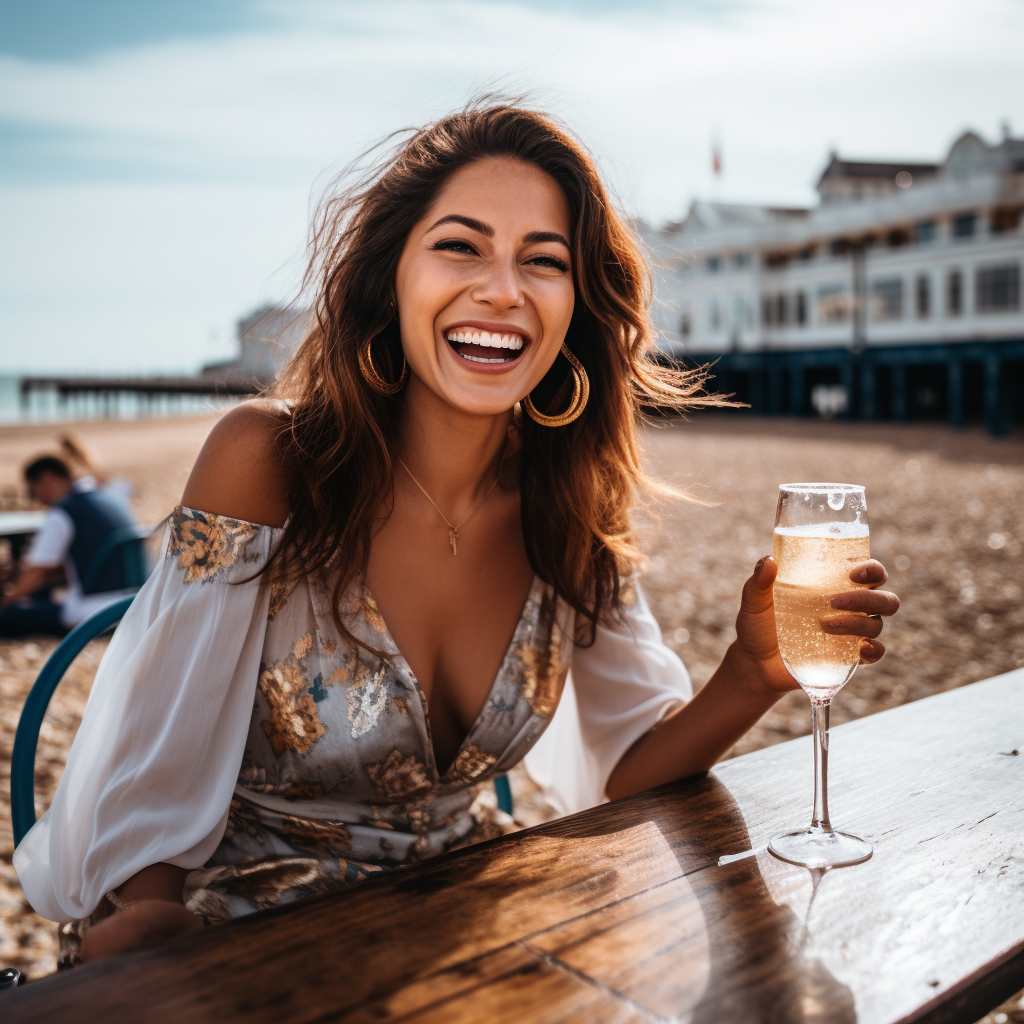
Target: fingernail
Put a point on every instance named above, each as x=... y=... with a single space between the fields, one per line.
x=840 y=601
x=830 y=623
x=861 y=575
x=760 y=562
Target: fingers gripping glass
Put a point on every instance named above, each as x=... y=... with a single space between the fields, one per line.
x=821 y=533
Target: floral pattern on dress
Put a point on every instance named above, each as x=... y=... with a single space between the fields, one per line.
x=367 y=698
x=471 y=763
x=280 y=591
x=294 y=723
x=397 y=777
x=206 y=544
x=543 y=670
x=365 y=795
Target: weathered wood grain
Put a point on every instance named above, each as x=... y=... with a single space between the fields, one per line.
x=622 y=913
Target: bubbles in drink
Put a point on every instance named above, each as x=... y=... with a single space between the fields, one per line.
x=814 y=565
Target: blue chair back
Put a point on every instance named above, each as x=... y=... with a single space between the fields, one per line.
x=504 y=792
x=126 y=543
x=26 y=738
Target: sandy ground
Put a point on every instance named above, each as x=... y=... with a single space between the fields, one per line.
x=946 y=518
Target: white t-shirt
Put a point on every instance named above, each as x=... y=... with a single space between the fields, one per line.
x=49 y=549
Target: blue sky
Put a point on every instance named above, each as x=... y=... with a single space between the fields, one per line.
x=158 y=159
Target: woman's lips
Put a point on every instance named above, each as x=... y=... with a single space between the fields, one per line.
x=481 y=346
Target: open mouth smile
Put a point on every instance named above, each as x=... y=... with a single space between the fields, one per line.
x=479 y=346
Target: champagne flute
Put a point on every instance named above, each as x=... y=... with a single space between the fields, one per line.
x=821 y=532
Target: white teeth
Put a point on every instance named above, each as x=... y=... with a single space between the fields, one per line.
x=481 y=359
x=485 y=339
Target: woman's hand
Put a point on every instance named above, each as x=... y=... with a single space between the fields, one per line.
x=140 y=924
x=858 y=613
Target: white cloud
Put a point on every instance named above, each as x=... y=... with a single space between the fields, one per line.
x=257 y=116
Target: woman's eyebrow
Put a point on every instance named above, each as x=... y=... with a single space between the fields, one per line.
x=469 y=222
x=545 y=236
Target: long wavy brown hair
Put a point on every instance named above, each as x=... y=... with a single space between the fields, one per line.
x=578 y=482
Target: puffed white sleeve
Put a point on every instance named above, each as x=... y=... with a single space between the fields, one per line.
x=618 y=689
x=151 y=772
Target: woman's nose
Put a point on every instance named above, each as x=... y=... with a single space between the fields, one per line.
x=499 y=287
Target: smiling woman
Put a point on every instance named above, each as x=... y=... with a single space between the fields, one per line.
x=380 y=576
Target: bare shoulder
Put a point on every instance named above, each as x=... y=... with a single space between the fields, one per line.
x=239 y=471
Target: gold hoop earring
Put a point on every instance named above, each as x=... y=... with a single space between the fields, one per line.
x=374 y=379
x=580 y=394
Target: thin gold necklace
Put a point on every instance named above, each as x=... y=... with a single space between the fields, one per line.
x=453 y=528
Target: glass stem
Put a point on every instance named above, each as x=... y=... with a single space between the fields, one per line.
x=819 y=723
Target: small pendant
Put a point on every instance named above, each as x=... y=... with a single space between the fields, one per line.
x=453 y=536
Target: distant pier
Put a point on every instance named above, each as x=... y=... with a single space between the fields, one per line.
x=152 y=395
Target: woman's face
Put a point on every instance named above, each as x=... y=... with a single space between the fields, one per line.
x=484 y=285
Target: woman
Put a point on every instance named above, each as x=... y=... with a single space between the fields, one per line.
x=400 y=561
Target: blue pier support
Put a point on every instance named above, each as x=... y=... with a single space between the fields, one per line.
x=796 y=388
x=868 y=401
x=775 y=390
x=757 y=382
x=996 y=415
x=955 y=392
x=847 y=378
x=899 y=393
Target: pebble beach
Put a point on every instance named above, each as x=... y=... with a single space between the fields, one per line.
x=946 y=511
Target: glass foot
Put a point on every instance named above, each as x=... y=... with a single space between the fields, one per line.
x=816 y=848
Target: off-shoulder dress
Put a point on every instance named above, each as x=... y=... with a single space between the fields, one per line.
x=232 y=732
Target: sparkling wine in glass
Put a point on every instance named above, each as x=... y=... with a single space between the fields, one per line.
x=821 y=533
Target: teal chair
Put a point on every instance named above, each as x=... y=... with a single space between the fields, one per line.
x=26 y=738
x=127 y=544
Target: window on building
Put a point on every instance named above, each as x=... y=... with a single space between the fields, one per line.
x=887 y=298
x=838 y=247
x=715 y=315
x=781 y=310
x=924 y=232
x=767 y=311
x=807 y=253
x=964 y=225
x=800 y=308
x=954 y=293
x=923 y=296
x=741 y=260
x=714 y=264
x=1005 y=218
x=776 y=260
x=835 y=304
x=997 y=288
x=686 y=324
x=897 y=238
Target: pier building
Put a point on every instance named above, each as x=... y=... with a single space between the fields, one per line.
x=898 y=296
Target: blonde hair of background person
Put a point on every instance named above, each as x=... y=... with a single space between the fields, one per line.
x=450 y=475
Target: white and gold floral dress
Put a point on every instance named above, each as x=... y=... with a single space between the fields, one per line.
x=232 y=732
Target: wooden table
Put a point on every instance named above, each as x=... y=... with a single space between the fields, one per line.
x=623 y=914
x=17 y=527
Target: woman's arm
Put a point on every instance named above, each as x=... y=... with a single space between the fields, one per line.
x=149 y=909
x=751 y=678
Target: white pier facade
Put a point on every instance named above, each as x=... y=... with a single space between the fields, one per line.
x=898 y=296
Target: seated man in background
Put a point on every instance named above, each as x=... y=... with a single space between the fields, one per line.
x=80 y=518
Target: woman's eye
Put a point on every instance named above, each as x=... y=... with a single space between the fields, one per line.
x=454 y=245
x=549 y=261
